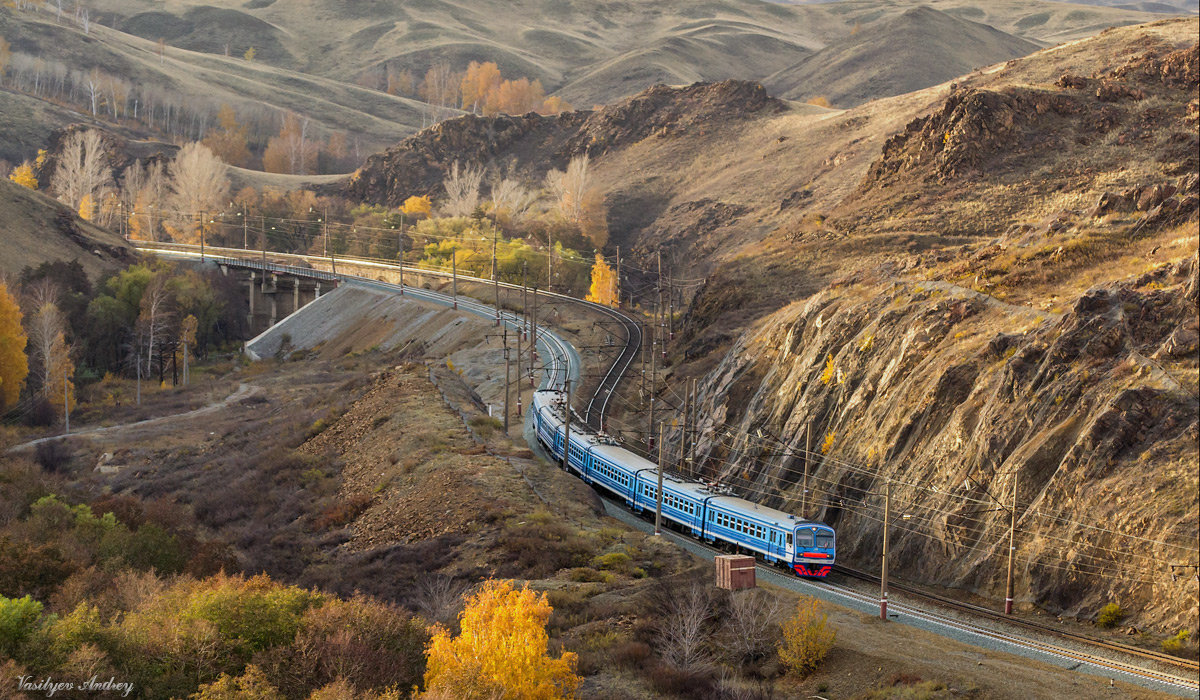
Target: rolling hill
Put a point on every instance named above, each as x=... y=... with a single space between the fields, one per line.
x=902 y=54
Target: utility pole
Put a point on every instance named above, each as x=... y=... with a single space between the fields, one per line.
x=807 y=455
x=325 y=228
x=691 y=434
x=524 y=306
x=887 y=517
x=185 y=363
x=566 y=426
x=683 y=433
x=644 y=346
x=671 y=308
x=496 y=279
x=262 y=219
x=203 y=216
x=454 y=279
x=549 y=258
x=507 y=365
x=618 y=277
x=653 y=391
x=66 y=406
x=662 y=440
x=139 y=375
x=245 y=229
x=518 y=382
x=1012 y=549
x=533 y=337
x=400 y=255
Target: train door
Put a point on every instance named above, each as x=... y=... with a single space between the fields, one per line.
x=789 y=548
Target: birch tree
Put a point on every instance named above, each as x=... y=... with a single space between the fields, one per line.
x=462 y=189
x=81 y=170
x=198 y=184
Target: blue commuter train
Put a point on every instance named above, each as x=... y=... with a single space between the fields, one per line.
x=807 y=548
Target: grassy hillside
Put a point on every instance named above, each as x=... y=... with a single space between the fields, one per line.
x=38 y=229
x=901 y=54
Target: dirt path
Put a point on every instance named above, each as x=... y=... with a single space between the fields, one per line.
x=242 y=392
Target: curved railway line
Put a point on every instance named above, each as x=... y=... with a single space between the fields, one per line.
x=557 y=370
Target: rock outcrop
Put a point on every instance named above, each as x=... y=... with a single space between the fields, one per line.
x=958 y=398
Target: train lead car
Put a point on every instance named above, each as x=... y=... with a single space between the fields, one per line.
x=807 y=548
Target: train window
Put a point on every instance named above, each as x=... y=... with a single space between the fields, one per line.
x=806 y=539
x=824 y=539
x=789 y=539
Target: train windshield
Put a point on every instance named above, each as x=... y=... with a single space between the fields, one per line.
x=804 y=538
x=825 y=540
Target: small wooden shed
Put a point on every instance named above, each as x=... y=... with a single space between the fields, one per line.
x=735 y=572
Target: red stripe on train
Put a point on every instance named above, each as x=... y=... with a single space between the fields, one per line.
x=802 y=570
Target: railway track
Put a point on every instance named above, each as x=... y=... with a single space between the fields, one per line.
x=558 y=370
x=1187 y=665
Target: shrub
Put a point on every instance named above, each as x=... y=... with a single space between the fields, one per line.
x=1179 y=644
x=251 y=685
x=807 y=638
x=53 y=455
x=1110 y=616
x=20 y=620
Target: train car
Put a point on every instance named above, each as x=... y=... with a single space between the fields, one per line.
x=807 y=548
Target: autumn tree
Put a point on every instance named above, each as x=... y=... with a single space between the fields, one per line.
x=462 y=189
x=555 y=105
x=604 y=283
x=228 y=140
x=400 y=83
x=81 y=170
x=478 y=83
x=23 y=175
x=198 y=184
x=292 y=152
x=45 y=326
x=14 y=365
x=250 y=54
x=59 y=387
x=441 y=86
x=146 y=192
x=515 y=97
x=417 y=206
x=501 y=651
x=807 y=638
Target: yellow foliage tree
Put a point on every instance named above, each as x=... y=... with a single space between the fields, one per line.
x=478 y=83
x=23 y=176
x=807 y=638
x=417 y=206
x=14 y=365
x=501 y=652
x=87 y=208
x=555 y=105
x=827 y=444
x=59 y=369
x=229 y=141
x=820 y=101
x=251 y=685
x=604 y=283
x=250 y=54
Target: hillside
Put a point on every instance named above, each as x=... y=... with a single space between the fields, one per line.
x=39 y=229
x=354 y=72
x=912 y=51
x=1028 y=231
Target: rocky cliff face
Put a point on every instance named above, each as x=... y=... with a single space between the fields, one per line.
x=958 y=398
x=535 y=144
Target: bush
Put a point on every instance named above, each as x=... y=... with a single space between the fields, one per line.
x=1179 y=645
x=1110 y=616
x=807 y=638
x=20 y=620
x=53 y=455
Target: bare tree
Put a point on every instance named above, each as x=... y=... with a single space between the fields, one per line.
x=462 y=189
x=45 y=324
x=751 y=627
x=198 y=184
x=684 y=633
x=568 y=189
x=511 y=195
x=81 y=170
x=439 y=598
